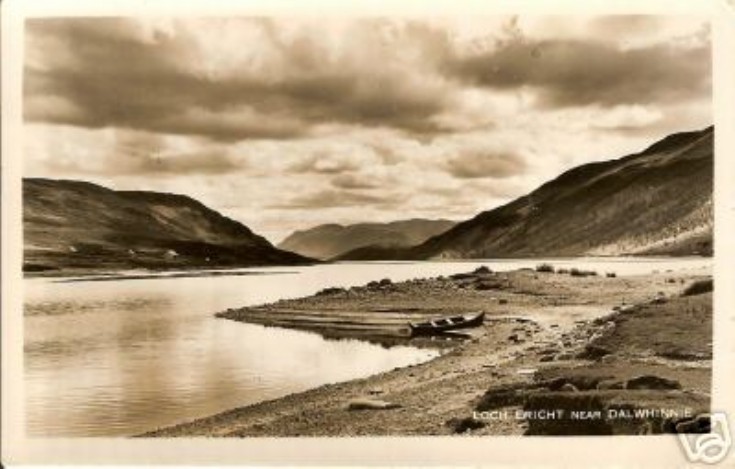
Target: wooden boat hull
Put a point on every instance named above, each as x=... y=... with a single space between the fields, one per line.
x=446 y=324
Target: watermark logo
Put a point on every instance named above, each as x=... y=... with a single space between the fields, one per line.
x=711 y=447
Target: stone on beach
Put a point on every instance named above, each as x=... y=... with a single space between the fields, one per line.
x=607 y=384
x=652 y=382
x=371 y=404
x=464 y=425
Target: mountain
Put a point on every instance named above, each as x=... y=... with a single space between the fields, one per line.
x=332 y=240
x=656 y=202
x=75 y=224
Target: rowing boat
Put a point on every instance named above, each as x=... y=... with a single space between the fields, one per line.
x=450 y=323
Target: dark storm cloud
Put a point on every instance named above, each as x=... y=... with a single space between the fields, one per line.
x=106 y=72
x=479 y=164
x=575 y=73
x=100 y=72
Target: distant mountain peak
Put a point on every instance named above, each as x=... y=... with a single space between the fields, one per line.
x=331 y=240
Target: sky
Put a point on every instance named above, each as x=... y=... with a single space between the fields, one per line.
x=287 y=123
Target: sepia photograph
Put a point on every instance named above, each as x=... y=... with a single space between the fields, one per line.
x=242 y=226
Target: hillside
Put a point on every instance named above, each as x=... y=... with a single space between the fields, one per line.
x=656 y=202
x=332 y=240
x=80 y=225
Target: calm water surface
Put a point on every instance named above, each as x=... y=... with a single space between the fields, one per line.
x=125 y=356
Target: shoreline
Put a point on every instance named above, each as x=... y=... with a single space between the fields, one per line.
x=544 y=338
x=71 y=272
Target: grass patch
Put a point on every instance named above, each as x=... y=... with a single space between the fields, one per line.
x=680 y=327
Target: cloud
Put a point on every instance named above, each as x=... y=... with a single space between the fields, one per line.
x=577 y=73
x=80 y=152
x=485 y=164
x=332 y=198
x=355 y=181
x=287 y=123
x=325 y=163
x=114 y=72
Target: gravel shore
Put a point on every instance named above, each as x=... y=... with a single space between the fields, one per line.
x=574 y=343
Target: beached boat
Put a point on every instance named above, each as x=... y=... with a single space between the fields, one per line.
x=451 y=323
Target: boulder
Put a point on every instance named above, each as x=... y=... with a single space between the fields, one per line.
x=464 y=425
x=594 y=352
x=652 y=382
x=610 y=384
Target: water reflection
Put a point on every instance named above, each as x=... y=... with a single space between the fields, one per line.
x=122 y=357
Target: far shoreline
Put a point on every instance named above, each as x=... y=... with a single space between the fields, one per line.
x=69 y=273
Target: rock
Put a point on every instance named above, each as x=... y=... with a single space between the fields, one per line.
x=651 y=382
x=501 y=396
x=515 y=338
x=645 y=429
x=578 y=383
x=563 y=356
x=610 y=384
x=371 y=404
x=546 y=358
x=487 y=285
x=464 y=425
x=594 y=352
x=482 y=270
x=330 y=291
x=375 y=391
